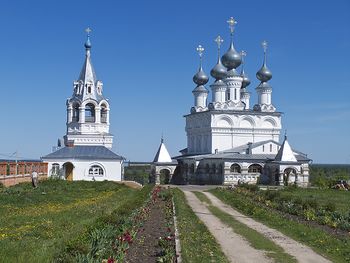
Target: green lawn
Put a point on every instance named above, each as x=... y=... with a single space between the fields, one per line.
x=36 y=224
x=340 y=199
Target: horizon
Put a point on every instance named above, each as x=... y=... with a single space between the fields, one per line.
x=145 y=55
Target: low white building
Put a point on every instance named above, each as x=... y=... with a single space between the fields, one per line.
x=87 y=153
x=229 y=141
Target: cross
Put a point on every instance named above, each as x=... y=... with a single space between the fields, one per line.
x=264 y=45
x=219 y=41
x=88 y=30
x=200 y=50
x=231 y=24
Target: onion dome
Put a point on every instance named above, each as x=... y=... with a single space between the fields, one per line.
x=264 y=74
x=200 y=78
x=218 y=71
x=231 y=59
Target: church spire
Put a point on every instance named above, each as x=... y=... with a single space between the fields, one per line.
x=87 y=73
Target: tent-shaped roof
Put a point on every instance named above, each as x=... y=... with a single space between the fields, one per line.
x=285 y=153
x=162 y=155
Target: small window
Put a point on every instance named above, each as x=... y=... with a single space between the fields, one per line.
x=263 y=148
x=89 y=89
x=235 y=168
x=96 y=170
x=55 y=169
x=228 y=95
x=235 y=94
x=270 y=147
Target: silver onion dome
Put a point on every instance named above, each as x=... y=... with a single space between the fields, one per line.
x=231 y=59
x=264 y=74
x=218 y=71
x=200 y=78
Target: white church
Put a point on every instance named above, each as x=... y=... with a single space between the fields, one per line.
x=230 y=141
x=87 y=153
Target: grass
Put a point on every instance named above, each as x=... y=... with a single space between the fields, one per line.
x=197 y=244
x=336 y=249
x=340 y=199
x=35 y=224
x=255 y=239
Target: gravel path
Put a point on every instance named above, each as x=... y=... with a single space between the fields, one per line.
x=301 y=252
x=236 y=248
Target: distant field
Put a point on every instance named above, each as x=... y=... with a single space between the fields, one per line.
x=36 y=223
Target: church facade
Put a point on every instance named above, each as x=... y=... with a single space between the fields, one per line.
x=228 y=140
x=86 y=154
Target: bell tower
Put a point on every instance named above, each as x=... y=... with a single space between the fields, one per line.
x=87 y=108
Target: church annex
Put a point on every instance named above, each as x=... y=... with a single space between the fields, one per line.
x=228 y=140
x=86 y=154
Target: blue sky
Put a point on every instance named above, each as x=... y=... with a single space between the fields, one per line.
x=144 y=52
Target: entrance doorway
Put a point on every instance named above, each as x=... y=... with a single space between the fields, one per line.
x=68 y=171
x=164 y=176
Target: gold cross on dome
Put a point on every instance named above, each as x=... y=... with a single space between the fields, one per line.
x=219 y=41
x=88 y=31
x=200 y=50
x=231 y=24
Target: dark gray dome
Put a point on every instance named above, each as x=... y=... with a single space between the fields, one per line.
x=246 y=80
x=231 y=59
x=218 y=71
x=264 y=74
x=200 y=78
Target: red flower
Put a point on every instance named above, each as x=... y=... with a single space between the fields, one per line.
x=110 y=260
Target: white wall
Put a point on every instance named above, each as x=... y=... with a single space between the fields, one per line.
x=112 y=169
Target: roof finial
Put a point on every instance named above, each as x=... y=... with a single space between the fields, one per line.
x=200 y=51
x=231 y=24
x=285 y=134
x=162 y=138
x=200 y=78
x=243 y=55
x=88 y=43
x=264 y=44
x=219 y=41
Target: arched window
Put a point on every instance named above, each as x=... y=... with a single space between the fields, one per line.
x=103 y=113
x=89 y=113
x=270 y=147
x=75 y=117
x=55 y=171
x=255 y=168
x=96 y=170
x=235 y=168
